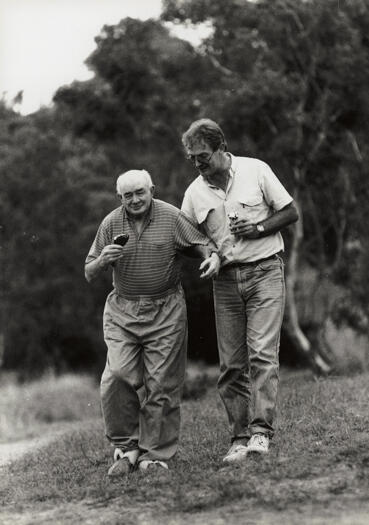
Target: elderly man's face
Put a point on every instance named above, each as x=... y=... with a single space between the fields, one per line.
x=136 y=196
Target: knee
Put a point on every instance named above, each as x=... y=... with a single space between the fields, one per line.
x=113 y=375
x=231 y=377
x=267 y=358
x=163 y=392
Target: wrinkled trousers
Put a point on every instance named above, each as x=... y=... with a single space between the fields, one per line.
x=249 y=305
x=144 y=373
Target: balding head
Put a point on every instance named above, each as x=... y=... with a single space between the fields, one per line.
x=136 y=190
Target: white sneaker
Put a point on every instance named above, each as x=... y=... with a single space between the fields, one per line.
x=258 y=443
x=236 y=453
x=150 y=464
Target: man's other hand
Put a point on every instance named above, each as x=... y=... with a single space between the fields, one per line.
x=210 y=266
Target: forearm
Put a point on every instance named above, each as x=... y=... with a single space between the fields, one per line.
x=279 y=220
x=202 y=251
x=94 y=268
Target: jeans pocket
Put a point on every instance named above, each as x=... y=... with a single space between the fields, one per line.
x=270 y=264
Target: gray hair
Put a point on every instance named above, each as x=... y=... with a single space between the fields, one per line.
x=205 y=130
x=132 y=174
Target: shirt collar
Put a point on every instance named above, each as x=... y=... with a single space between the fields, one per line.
x=232 y=169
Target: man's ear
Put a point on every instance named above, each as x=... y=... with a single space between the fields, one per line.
x=222 y=147
x=152 y=189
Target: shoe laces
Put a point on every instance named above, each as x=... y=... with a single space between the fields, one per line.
x=149 y=463
x=259 y=439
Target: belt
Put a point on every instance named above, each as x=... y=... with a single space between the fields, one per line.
x=235 y=265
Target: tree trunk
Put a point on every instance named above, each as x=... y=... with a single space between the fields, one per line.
x=314 y=354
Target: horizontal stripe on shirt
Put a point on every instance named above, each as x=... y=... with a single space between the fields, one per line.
x=150 y=264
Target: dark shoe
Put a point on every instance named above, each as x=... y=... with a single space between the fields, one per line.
x=124 y=462
x=121 y=467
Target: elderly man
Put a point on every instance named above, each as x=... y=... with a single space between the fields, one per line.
x=145 y=322
x=241 y=205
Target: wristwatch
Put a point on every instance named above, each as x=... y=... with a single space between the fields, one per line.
x=260 y=228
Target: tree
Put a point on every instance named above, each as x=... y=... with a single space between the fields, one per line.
x=297 y=75
x=45 y=230
x=287 y=81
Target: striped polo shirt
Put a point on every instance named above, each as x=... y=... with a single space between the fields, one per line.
x=150 y=265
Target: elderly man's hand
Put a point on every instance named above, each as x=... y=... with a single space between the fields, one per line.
x=110 y=254
x=210 y=266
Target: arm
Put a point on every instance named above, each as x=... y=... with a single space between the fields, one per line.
x=280 y=219
x=109 y=254
x=211 y=263
x=191 y=242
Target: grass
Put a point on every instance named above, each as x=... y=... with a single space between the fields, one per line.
x=319 y=458
x=27 y=410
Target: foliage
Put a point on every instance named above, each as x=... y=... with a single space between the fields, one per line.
x=297 y=97
x=147 y=83
x=45 y=235
x=288 y=82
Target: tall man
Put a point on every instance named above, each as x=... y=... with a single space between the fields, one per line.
x=145 y=323
x=241 y=205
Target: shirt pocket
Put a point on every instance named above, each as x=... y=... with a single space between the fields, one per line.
x=161 y=251
x=253 y=208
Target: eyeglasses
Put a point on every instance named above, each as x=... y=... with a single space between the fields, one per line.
x=201 y=157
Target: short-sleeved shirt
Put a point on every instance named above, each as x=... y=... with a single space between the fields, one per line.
x=150 y=265
x=253 y=192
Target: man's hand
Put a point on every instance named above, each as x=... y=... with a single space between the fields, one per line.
x=273 y=224
x=210 y=266
x=244 y=228
x=110 y=254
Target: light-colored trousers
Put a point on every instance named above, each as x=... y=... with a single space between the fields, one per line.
x=249 y=305
x=144 y=373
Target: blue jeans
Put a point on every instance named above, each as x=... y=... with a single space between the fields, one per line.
x=249 y=304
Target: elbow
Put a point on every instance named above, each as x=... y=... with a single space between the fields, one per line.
x=294 y=214
x=88 y=276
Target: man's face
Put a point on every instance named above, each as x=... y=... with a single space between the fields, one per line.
x=136 y=196
x=207 y=161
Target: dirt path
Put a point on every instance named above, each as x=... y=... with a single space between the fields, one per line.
x=12 y=451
